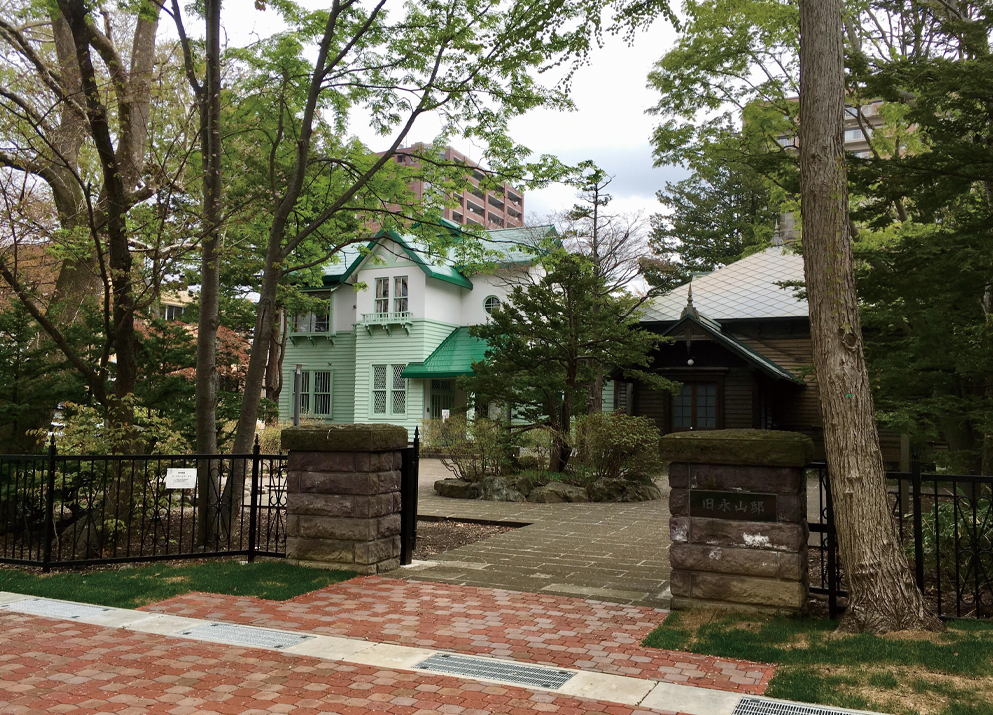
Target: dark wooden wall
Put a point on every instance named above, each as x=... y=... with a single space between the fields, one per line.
x=750 y=397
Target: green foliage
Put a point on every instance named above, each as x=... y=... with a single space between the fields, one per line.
x=470 y=448
x=140 y=586
x=535 y=449
x=718 y=215
x=816 y=664
x=950 y=531
x=920 y=202
x=33 y=379
x=88 y=430
x=610 y=445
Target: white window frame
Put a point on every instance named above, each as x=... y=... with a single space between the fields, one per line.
x=389 y=391
x=329 y=393
x=382 y=299
x=401 y=303
x=309 y=395
x=304 y=392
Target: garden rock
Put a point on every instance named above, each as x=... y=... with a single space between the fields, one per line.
x=504 y=488
x=557 y=493
x=623 y=490
x=457 y=489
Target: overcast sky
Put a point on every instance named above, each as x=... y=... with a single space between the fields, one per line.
x=609 y=125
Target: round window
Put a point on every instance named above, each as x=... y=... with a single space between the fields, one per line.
x=491 y=303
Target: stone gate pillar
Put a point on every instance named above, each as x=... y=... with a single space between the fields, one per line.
x=343 y=496
x=739 y=519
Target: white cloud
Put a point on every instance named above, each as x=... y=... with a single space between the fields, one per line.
x=609 y=125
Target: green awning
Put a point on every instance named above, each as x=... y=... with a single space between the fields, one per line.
x=453 y=358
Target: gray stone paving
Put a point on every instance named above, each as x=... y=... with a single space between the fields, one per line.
x=612 y=552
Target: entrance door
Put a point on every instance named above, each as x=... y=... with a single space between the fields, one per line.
x=695 y=407
x=442 y=397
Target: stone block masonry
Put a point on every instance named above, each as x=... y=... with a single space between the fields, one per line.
x=343 y=496
x=738 y=519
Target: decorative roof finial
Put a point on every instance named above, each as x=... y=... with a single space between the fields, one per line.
x=690 y=309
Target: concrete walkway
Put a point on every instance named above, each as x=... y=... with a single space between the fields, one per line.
x=613 y=552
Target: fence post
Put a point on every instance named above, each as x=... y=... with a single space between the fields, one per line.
x=254 y=502
x=417 y=472
x=832 y=545
x=49 y=509
x=915 y=474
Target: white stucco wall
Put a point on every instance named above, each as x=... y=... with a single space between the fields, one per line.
x=343 y=309
x=444 y=301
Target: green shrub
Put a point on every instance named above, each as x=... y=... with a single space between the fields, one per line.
x=610 y=445
x=470 y=449
x=535 y=449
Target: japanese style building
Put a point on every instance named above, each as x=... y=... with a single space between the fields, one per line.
x=741 y=349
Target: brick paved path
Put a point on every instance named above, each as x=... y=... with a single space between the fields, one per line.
x=49 y=666
x=615 y=552
x=537 y=628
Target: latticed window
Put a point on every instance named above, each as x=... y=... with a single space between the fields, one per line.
x=382 y=295
x=695 y=407
x=400 y=294
x=322 y=392
x=379 y=391
x=399 y=391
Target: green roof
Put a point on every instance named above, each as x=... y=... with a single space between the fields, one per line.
x=453 y=358
x=504 y=246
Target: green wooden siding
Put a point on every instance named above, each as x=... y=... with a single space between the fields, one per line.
x=395 y=348
x=315 y=356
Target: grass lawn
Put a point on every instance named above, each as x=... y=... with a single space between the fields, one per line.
x=947 y=674
x=141 y=585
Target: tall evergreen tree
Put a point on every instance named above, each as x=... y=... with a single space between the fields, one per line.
x=550 y=340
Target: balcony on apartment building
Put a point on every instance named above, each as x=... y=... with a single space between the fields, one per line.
x=474 y=208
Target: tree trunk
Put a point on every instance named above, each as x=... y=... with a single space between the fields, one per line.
x=596 y=394
x=561 y=451
x=274 y=366
x=209 y=319
x=882 y=594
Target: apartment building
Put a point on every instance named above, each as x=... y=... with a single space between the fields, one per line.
x=493 y=208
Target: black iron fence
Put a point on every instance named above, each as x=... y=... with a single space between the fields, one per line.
x=60 y=510
x=945 y=522
x=409 y=471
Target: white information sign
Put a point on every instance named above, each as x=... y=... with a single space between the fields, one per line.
x=445 y=414
x=181 y=478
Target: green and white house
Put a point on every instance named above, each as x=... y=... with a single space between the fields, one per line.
x=396 y=336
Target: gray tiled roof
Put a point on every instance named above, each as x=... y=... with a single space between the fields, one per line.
x=745 y=289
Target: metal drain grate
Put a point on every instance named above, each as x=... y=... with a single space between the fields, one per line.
x=762 y=706
x=488 y=669
x=245 y=635
x=53 y=609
